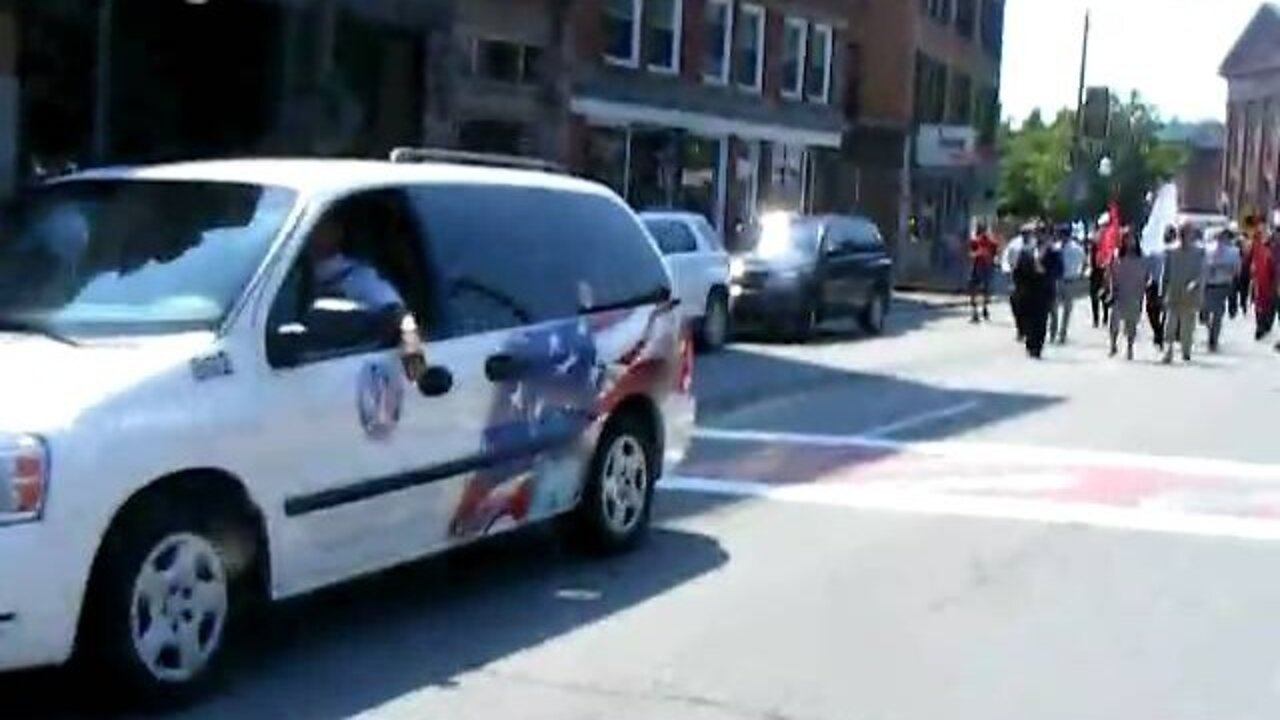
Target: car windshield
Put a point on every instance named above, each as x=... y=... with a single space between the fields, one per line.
x=782 y=235
x=101 y=257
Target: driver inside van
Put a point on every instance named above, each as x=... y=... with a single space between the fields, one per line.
x=340 y=276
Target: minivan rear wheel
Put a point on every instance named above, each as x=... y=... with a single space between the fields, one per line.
x=872 y=317
x=613 y=515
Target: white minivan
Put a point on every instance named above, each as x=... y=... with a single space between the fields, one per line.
x=237 y=379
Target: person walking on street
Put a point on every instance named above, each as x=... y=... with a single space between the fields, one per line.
x=1034 y=278
x=1184 y=273
x=1155 y=291
x=1128 y=279
x=1008 y=263
x=982 y=259
x=1238 y=301
x=1072 y=259
x=1101 y=252
x=1220 y=283
x=1262 y=273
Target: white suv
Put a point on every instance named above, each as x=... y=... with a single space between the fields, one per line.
x=699 y=267
x=215 y=389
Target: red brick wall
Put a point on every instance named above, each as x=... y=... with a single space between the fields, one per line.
x=693 y=40
x=587 y=32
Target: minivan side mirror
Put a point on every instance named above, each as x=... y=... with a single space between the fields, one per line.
x=333 y=326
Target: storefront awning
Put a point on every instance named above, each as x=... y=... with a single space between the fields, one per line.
x=612 y=112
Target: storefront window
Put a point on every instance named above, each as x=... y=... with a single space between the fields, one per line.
x=745 y=172
x=787 y=177
x=655 y=164
x=606 y=157
x=700 y=177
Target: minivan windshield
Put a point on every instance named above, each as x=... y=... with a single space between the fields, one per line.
x=780 y=235
x=124 y=256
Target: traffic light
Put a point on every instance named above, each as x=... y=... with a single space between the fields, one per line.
x=1097 y=113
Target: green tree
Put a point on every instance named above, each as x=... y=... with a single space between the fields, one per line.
x=1036 y=172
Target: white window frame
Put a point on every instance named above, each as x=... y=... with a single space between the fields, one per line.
x=794 y=90
x=829 y=47
x=756 y=86
x=677 y=39
x=726 y=48
x=633 y=61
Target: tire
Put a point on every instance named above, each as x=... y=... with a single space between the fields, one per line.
x=804 y=325
x=163 y=573
x=606 y=521
x=872 y=317
x=715 y=329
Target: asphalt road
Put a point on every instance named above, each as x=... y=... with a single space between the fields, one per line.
x=924 y=525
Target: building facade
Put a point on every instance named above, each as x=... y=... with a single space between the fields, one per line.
x=9 y=93
x=923 y=108
x=726 y=107
x=1251 y=169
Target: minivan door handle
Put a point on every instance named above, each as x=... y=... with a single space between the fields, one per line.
x=504 y=367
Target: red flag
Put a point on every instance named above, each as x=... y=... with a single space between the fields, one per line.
x=1109 y=238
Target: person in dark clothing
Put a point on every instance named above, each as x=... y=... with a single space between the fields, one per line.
x=1155 y=291
x=1238 y=300
x=1034 y=279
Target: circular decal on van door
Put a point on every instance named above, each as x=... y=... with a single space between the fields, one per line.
x=379 y=397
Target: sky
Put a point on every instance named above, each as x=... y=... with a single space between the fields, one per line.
x=1168 y=50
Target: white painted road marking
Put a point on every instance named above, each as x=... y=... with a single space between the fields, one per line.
x=1029 y=454
x=1049 y=512
x=921 y=419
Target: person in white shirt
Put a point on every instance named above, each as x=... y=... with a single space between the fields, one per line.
x=1224 y=264
x=1069 y=287
x=339 y=276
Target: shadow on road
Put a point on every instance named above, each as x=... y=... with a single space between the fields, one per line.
x=362 y=645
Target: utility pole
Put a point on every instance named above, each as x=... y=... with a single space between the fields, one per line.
x=1084 y=63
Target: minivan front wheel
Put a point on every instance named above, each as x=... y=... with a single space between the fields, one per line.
x=613 y=515
x=162 y=603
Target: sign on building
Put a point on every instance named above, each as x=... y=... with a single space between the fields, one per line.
x=946 y=146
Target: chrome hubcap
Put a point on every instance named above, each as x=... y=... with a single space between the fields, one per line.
x=624 y=484
x=179 y=607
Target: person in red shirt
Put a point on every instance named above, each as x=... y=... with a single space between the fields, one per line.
x=982 y=258
x=1262 y=270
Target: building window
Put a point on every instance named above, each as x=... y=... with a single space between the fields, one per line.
x=992 y=30
x=930 y=90
x=622 y=32
x=750 y=47
x=959 y=111
x=662 y=21
x=986 y=114
x=506 y=61
x=939 y=10
x=719 y=41
x=818 y=75
x=966 y=17
x=795 y=37
x=745 y=169
x=788 y=187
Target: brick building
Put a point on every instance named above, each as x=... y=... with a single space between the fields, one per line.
x=8 y=98
x=726 y=107
x=1252 y=71
x=923 y=107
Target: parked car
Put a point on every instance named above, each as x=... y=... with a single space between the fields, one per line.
x=240 y=379
x=803 y=270
x=699 y=266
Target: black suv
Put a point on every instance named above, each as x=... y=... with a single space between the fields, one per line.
x=804 y=269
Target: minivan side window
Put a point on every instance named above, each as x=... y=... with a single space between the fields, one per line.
x=363 y=250
x=673 y=236
x=508 y=256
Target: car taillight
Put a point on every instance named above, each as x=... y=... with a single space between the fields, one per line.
x=684 y=382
